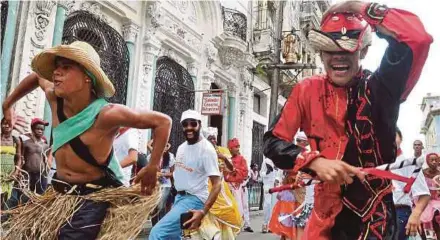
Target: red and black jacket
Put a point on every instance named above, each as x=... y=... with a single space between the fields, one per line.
x=355 y=124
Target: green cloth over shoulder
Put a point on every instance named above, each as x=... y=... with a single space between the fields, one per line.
x=77 y=125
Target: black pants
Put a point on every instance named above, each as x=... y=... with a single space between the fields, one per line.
x=85 y=223
x=349 y=226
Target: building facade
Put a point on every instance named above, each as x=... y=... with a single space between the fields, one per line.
x=431 y=122
x=165 y=55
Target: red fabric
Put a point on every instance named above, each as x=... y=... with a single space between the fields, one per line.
x=335 y=22
x=39 y=121
x=282 y=208
x=326 y=120
x=399 y=152
x=233 y=143
x=240 y=170
x=122 y=131
x=408 y=29
x=304 y=159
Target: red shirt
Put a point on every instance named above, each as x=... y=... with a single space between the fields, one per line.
x=240 y=172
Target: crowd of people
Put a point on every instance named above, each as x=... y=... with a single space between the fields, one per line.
x=345 y=174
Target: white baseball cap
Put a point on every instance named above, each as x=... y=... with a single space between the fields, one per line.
x=191 y=114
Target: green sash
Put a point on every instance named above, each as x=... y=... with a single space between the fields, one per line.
x=77 y=125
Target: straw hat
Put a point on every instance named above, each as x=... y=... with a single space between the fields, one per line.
x=80 y=52
x=341 y=32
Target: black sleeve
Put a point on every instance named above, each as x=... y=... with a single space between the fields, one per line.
x=281 y=152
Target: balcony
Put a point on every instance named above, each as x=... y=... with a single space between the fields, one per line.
x=232 y=44
x=234 y=23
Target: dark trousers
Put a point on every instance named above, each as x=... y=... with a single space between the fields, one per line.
x=402 y=213
x=349 y=226
x=85 y=223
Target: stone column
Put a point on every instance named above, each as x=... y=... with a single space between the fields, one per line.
x=8 y=45
x=130 y=31
x=231 y=111
x=38 y=35
x=144 y=94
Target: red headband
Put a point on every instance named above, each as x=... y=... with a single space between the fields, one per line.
x=430 y=154
x=233 y=143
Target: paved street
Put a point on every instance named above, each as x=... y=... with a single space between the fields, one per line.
x=256 y=221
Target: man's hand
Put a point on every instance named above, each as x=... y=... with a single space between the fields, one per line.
x=196 y=220
x=335 y=171
x=147 y=176
x=414 y=225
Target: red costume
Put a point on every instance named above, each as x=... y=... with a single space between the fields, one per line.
x=240 y=172
x=355 y=124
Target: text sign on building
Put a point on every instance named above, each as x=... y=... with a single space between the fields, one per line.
x=212 y=103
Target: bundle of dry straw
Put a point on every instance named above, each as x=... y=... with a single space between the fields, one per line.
x=44 y=215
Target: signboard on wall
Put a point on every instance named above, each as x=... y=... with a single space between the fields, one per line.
x=212 y=104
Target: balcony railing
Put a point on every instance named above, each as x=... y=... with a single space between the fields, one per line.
x=234 y=23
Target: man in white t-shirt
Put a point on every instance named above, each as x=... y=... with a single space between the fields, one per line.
x=196 y=162
x=125 y=149
x=407 y=216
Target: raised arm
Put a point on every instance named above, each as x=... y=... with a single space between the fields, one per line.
x=408 y=47
x=117 y=115
x=27 y=85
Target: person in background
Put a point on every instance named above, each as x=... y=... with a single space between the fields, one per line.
x=165 y=175
x=224 y=220
x=195 y=165
x=269 y=176
x=284 y=210
x=11 y=161
x=237 y=181
x=408 y=216
x=431 y=215
x=37 y=157
x=125 y=147
x=307 y=198
x=254 y=174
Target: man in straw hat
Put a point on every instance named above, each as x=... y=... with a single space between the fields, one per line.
x=85 y=126
x=349 y=116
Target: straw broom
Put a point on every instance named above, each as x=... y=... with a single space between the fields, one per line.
x=44 y=215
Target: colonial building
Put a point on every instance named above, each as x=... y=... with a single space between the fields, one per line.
x=431 y=122
x=168 y=56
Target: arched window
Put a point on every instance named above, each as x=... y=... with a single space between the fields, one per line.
x=110 y=45
x=173 y=94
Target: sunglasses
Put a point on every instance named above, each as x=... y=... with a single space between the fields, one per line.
x=193 y=124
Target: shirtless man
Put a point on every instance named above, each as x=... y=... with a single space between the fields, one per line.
x=86 y=125
x=37 y=156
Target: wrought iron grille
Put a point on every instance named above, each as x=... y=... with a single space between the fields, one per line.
x=234 y=22
x=110 y=45
x=257 y=143
x=4 y=15
x=255 y=195
x=173 y=94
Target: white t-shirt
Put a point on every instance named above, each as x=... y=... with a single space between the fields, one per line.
x=193 y=166
x=122 y=145
x=417 y=189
